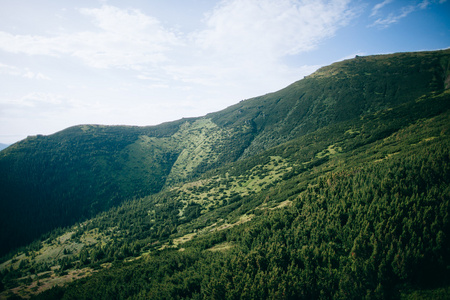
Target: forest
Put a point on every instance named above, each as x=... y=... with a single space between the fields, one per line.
x=349 y=207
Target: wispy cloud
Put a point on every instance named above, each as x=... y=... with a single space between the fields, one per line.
x=379 y=6
x=402 y=12
x=394 y=17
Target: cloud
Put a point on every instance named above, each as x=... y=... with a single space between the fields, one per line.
x=394 y=17
x=403 y=12
x=244 y=42
x=122 y=38
x=240 y=51
x=242 y=33
x=36 y=100
x=44 y=113
x=47 y=108
x=271 y=29
x=24 y=73
x=379 y=6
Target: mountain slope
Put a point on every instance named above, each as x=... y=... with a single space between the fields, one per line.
x=339 y=92
x=51 y=181
x=356 y=209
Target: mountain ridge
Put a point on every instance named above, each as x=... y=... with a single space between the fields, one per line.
x=330 y=200
x=334 y=187
x=335 y=106
x=105 y=165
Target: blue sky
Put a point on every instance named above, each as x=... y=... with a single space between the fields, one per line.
x=144 y=62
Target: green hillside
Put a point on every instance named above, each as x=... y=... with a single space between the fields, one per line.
x=334 y=187
x=52 y=181
x=339 y=92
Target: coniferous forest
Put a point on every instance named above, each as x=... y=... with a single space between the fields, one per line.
x=336 y=187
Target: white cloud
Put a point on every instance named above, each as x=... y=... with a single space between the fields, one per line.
x=10 y=70
x=238 y=34
x=36 y=100
x=403 y=12
x=271 y=29
x=394 y=17
x=44 y=113
x=245 y=41
x=24 y=73
x=239 y=52
x=379 y=6
x=424 y=4
x=122 y=38
x=31 y=45
x=115 y=20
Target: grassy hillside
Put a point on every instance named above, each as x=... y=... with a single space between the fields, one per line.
x=52 y=181
x=336 y=186
x=339 y=92
x=356 y=209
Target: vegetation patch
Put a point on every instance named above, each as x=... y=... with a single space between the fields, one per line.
x=221 y=247
x=45 y=281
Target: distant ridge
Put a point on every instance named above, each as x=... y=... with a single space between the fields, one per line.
x=3 y=146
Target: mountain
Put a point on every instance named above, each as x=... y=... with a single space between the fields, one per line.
x=52 y=181
x=3 y=146
x=334 y=187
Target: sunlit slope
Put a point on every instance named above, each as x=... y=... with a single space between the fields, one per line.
x=56 y=180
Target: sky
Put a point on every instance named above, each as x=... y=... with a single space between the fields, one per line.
x=145 y=62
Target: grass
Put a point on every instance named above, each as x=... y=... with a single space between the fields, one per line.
x=241 y=220
x=53 y=250
x=185 y=238
x=331 y=150
x=221 y=247
x=195 y=141
x=39 y=284
x=50 y=252
x=220 y=189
